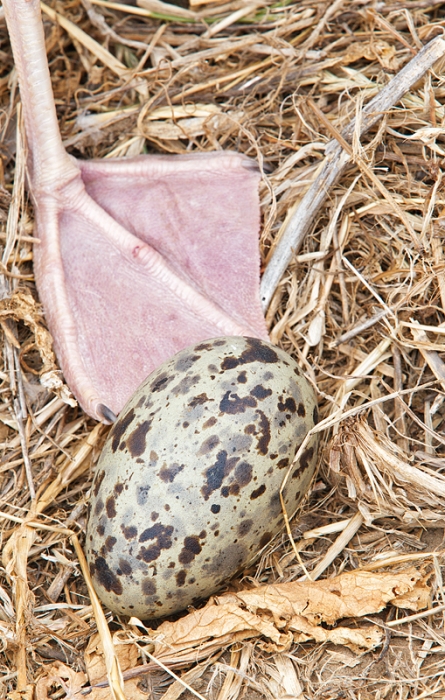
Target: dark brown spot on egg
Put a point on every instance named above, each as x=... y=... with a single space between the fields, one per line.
x=153 y=456
x=125 y=567
x=242 y=377
x=306 y=457
x=168 y=474
x=180 y=577
x=100 y=530
x=301 y=410
x=104 y=576
x=256 y=351
x=160 y=533
x=209 y=423
x=110 y=542
x=260 y=393
x=97 y=481
x=199 y=400
x=118 y=488
x=215 y=474
x=282 y=463
x=154 y=516
x=231 y=403
x=185 y=424
x=203 y=346
x=263 y=434
x=257 y=492
x=129 y=531
x=233 y=490
x=208 y=445
x=148 y=586
x=287 y=404
x=111 y=507
x=244 y=527
x=162 y=382
x=119 y=428
x=304 y=462
x=265 y=539
x=215 y=508
x=149 y=554
x=250 y=429
x=190 y=550
x=315 y=415
x=136 y=441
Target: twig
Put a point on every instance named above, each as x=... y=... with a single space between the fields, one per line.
x=114 y=672
x=336 y=160
x=368 y=172
x=359 y=328
x=338 y=546
x=417 y=616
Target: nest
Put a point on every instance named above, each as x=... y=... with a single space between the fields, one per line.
x=360 y=306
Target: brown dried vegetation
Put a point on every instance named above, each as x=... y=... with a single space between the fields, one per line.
x=361 y=307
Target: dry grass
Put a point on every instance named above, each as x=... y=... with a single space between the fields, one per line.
x=362 y=307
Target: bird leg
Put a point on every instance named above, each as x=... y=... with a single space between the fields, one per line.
x=137 y=257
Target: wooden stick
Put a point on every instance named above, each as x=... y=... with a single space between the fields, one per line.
x=335 y=162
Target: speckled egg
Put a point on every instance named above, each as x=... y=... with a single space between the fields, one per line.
x=186 y=490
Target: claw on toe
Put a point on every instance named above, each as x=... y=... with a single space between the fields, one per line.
x=106 y=413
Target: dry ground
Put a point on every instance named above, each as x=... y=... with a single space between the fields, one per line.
x=361 y=307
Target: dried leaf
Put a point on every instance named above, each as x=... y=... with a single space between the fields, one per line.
x=382 y=51
x=26 y=694
x=23 y=307
x=288 y=612
x=127 y=655
x=59 y=675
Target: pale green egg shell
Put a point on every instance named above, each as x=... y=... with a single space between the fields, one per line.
x=186 y=490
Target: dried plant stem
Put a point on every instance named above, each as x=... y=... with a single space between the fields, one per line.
x=337 y=547
x=399 y=405
x=418 y=616
x=336 y=160
x=114 y=672
x=366 y=170
x=96 y=49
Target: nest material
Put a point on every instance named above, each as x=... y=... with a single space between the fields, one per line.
x=361 y=307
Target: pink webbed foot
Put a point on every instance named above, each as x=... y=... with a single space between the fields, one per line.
x=139 y=257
